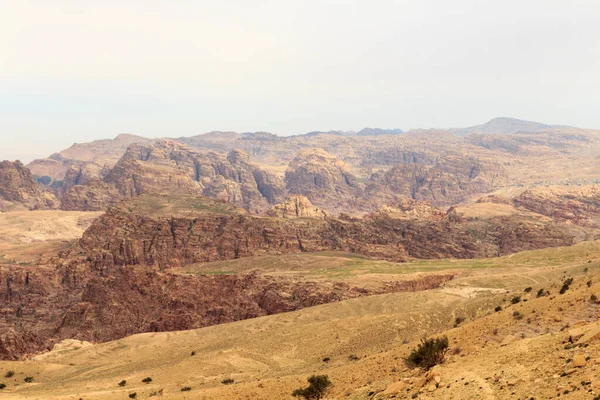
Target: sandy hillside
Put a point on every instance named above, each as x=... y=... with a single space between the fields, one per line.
x=518 y=352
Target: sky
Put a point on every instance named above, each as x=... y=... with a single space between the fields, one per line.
x=81 y=70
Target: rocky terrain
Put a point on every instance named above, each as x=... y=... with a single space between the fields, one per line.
x=170 y=167
x=166 y=231
x=539 y=346
x=372 y=239
x=18 y=189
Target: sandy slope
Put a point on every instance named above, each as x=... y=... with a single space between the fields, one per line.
x=268 y=357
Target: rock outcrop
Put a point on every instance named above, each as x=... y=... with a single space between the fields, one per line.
x=296 y=207
x=18 y=189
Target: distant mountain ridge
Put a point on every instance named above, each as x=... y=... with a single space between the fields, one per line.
x=503 y=125
x=379 y=131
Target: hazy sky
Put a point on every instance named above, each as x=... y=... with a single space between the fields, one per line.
x=74 y=71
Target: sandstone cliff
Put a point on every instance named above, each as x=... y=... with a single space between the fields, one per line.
x=167 y=231
x=18 y=189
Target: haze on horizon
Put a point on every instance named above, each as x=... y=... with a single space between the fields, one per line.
x=80 y=70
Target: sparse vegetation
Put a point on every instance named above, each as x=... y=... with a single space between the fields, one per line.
x=430 y=352
x=193 y=353
x=227 y=381
x=517 y=315
x=123 y=383
x=186 y=389
x=498 y=308
x=566 y=284
x=541 y=293
x=353 y=357
x=147 y=380
x=132 y=395
x=528 y=289
x=326 y=359
x=9 y=374
x=458 y=321
x=28 y=379
x=515 y=300
x=594 y=299
x=589 y=283
x=2 y=386
x=318 y=386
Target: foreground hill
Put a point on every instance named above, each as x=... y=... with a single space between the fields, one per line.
x=527 y=349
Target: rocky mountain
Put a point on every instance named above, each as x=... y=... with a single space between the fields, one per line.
x=170 y=167
x=18 y=189
x=450 y=180
x=579 y=205
x=325 y=180
x=94 y=156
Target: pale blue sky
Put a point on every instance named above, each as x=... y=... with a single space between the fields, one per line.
x=79 y=70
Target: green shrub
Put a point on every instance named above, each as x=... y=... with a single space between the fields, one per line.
x=430 y=352
x=528 y=289
x=147 y=380
x=2 y=386
x=28 y=379
x=123 y=383
x=498 y=308
x=132 y=395
x=227 y=381
x=565 y=286
x=516 y=299
x=318 y=386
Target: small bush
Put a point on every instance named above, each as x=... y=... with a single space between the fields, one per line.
x=28 y=379
x=517 y=315
x=318 y=386
x=498 y=308
x=123 y=383
x=430 y=352
x=186 y=389
x=147 y=380
x=589 y=283
x=227 y=381
x=528 y=289
x=565 y=286
x=353 y=357
x=2 y=386
x=458 y=321
x=193 y=353
x=326 y=359
x=516 y=299
x=594 y=299
x=132 y=395
x=9 y=374
x=541 y=293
